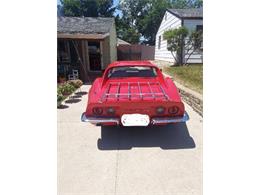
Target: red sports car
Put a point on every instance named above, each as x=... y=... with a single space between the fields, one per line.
x=134 y=93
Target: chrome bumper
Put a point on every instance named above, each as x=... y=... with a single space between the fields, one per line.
x=99 y=120
x=165 y=120
x=154 y=121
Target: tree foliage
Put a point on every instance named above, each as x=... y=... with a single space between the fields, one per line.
x=126 y=32
x=149 y=24
x=175 y=41
x=88 y=8
x=181 y=4
x=180 y=39
x=193 y=43
x=132 y=11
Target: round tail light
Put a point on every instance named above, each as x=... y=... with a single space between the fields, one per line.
x=160 y=110
x=97 y=111
x=173 y=110
x=111 y=111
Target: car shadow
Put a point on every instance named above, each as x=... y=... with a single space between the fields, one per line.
x=174 y=136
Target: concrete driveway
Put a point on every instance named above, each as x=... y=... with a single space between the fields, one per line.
x=127 y=161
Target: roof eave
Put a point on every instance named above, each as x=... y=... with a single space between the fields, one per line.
x=178 y=16
x=192 y=18
x=81 y=36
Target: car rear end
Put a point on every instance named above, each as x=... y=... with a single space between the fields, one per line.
x=135 y=103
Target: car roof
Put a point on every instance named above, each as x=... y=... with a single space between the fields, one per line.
x=132 y=63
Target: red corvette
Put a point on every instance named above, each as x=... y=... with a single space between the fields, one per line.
x=134 y=93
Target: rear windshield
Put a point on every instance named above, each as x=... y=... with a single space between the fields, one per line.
x=132 y=71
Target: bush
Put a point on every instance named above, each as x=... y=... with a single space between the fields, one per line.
x=60 y=97
x=76 y=83
x=66 y=89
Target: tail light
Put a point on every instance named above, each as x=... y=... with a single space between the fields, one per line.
x=160 y=110
x=97 y=110
x=173 y=110
x=111 y=111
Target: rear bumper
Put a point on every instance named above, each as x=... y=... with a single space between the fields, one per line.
x=99 y=120
x=116 y=121
x=165 y=120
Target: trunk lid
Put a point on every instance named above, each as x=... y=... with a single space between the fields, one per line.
x=134 y=91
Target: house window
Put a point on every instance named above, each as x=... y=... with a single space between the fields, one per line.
x=159 y=42
x=165 y=16
x=199 y=28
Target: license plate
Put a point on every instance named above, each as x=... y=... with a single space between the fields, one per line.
x=135 y=120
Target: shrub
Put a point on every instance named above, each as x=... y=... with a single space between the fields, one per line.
x=66 y=89
x=175 y=42
x=76 y=83
x=60 y=97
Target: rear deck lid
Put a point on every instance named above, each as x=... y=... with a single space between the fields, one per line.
x=134 y=91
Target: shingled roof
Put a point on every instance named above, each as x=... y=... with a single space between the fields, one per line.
x=84 y=25
x=187 y=13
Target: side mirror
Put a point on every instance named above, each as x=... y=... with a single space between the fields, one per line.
x=160 y=69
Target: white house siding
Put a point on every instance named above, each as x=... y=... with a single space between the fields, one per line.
x=171 y=23
x=191 y=24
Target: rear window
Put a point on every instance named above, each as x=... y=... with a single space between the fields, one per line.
x=132 y=71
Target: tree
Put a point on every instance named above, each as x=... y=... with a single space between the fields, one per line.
x=175 y=42
x=193 y=44
x=181 y=4
x=71 y=7
x=105 y=8
x=179 y=39
x=148 y=24
x=132 y=11
x=88 y=8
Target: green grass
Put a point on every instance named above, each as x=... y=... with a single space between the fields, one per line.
x=190 y=76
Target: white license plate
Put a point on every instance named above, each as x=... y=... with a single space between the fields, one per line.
x=135 y=120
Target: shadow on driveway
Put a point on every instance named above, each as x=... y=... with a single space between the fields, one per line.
x=81 y=93
x=72 y=101
x=175 y=136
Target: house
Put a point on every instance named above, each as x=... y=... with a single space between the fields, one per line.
x=192 y=19
x=85 y=44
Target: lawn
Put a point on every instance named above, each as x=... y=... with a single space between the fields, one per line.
x=190 y=76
